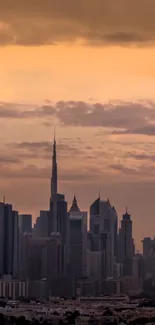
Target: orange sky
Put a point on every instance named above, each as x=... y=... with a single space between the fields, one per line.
x=76 y=72
x=100 y=57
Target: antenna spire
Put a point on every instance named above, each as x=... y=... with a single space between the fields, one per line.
x=54 y=134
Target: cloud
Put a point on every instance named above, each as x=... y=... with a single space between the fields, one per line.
x=122 y=117
x=43 y=149
x=142 y=170
x=146 y=130
x=141 y=156
x=119 y=115
x=5 y=160
x=41 y=22
x=39 y=173
x=18 y=111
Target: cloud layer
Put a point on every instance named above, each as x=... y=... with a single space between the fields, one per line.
x=117 y=117
x=40 y=22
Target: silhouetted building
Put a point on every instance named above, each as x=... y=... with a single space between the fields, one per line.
x=9 y=240
x=41 y=258
x=126 y=244
x=147 y=246
x=77 y=241
x=25 y=223
x=103 y=229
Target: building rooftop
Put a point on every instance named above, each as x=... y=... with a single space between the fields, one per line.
x=74 y=206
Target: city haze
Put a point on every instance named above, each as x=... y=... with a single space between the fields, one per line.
x=93 y=77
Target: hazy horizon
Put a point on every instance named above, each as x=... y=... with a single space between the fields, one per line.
x=87 y=67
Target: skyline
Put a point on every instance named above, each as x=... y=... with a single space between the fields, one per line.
x=92 y=75
x=47 y=146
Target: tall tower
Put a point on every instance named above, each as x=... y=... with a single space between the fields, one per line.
x=53 y=197
x=126 y=244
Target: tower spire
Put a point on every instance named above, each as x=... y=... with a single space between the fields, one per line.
x=54 y=135
x=53 y=198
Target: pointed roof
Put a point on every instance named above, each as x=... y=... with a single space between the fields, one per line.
x=74 y=206
x=108 y=201
x=126 y=215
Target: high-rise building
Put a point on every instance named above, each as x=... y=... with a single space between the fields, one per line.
x=56 y=219
x=41 y=226
x=126 y=244
x=63 y=229
x=103 y=229
x=25 y=223
x=77 y=241
x=41 y=257
x=9 y=237
x=148 y=246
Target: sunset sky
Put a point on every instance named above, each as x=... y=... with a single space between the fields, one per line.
x=87 y=67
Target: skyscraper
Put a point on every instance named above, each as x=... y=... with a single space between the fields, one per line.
x=25 y=223
x=126 y=244
x=8 y=240
x=58 y=219
x=77 y=240
x=103 y=228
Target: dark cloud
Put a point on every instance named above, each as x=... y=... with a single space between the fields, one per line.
x=121 y=115
x=41 y=22
x=18 y=111
x=120 y=37
x=146 y=130
x=142 y=170
x=5 y=160
x=37 y=173
x=43 y=149
x=30 y=171
x=125 y=117
x=33 y=146
x=141 y=156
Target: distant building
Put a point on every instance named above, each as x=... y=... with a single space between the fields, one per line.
x=25 y=223
x=9 y=240
x=12 y=288
x=126 y=245
x=147 y=246
x=77 y=241
x=41 y=257
x=15 y=289
x=56 y=219
x=41 y=225
x=103 y=230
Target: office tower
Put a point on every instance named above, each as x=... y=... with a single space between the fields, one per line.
x=95 y=224
x=63 y=229
x=147 y=246
x=138 y=266
x=77 y=240
x=41 y=226
x=126 y=244
x=16 y=243
x=115 y=232
x=41 y=257
x=25 y=223
x=103 y=227
x=8 y=240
